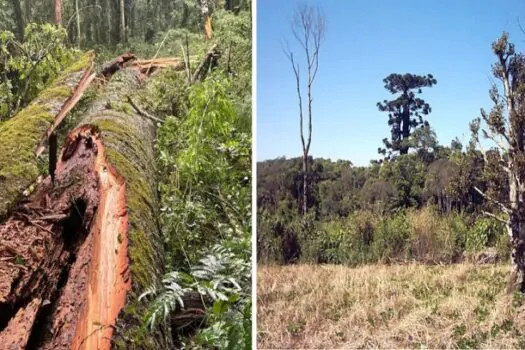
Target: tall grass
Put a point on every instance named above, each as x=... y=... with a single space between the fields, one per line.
x=378 y=306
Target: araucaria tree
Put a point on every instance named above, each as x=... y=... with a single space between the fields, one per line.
x=308 y=27
x=505 y=126
x=406 y=111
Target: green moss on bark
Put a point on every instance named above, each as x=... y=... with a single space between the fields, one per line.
x=20 y=135
x=128 y=145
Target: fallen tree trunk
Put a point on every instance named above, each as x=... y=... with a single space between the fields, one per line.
x=78 y=253
x=20 y=134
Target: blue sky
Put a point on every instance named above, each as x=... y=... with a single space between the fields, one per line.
x=365 y=41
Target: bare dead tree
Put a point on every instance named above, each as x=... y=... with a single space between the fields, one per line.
x=308 y=28
x=505 y=127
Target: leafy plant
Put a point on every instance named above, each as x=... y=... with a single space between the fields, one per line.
x=28 y=67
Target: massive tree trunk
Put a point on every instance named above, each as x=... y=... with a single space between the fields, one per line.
x=79 y=251
x=83 y=249
x=20 y=134
x=19 y=19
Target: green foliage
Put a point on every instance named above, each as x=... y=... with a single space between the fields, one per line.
x=223 y=276
x=406 y=111
x=363 y=237
x=205 y=159
x=484 y=233
x=30 y=66
x=204 y=156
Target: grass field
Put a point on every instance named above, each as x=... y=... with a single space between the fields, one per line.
x=410 y=306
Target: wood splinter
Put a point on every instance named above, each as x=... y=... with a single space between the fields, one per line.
x=52 y=156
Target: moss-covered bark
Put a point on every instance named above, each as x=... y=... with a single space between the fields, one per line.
x=19 y=135
x=128 y=144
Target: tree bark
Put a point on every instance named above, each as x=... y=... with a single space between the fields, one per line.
x=77 y=12
x=90 y=244
x=122 y=22
x=20 y=134
x=19 y=19
x=108 y=20
x=305 y=183
x=406 y=130
x=58 y=12
x=28 y=5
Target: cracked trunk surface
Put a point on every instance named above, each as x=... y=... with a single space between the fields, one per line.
x=76 y=255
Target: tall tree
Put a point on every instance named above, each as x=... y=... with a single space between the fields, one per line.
x=77 y=12
x=19 y=19
x=58 y=12
x=505 y=126
x=406 y=111
x=308 y=28
x=28 y=6
x=122 y=21
x=108 y=21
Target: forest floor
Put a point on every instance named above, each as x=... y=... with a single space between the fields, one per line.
x=378 y=306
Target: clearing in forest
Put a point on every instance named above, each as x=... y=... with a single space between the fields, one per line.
x=378 y=306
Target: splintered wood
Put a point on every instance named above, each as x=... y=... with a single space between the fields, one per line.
x=64 y=269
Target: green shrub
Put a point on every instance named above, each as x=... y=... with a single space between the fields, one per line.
x=484 y=233
x=391 y=238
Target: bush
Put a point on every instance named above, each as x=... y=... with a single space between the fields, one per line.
x=484 y=233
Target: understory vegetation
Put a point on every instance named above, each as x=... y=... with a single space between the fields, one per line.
x=203 y=142
x=418 y=207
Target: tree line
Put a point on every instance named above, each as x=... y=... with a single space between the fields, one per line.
x=414 y=172
x=109 y=23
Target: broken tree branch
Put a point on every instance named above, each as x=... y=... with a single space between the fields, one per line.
x=209 y=61
x=499 y=204
x=497 y=218
x=143 y=113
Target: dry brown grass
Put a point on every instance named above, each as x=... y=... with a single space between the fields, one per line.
x=408 y=306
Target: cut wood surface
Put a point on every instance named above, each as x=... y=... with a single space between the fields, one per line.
x=76 y=253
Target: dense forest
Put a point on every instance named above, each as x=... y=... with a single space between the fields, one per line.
x=125 y=162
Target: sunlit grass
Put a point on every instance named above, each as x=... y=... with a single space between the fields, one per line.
x=409 y=306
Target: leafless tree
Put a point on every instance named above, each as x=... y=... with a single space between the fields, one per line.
x=308 y=28
x=505 y=126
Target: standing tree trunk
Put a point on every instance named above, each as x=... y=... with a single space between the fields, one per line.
x=58 y=12
x=406 y=128
x=19 y=19
x=123 y=21
x=77 y=12
x=308 y=28
x=28 y=5
x=108 y=20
